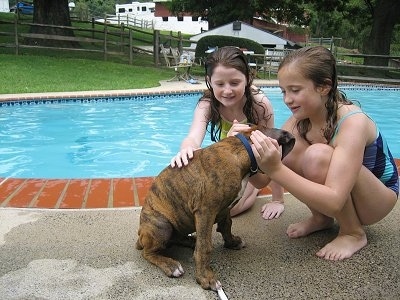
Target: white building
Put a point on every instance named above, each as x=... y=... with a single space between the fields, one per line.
x=4 y=6
x=135 y=8
x=156 y=15
x=244 y=30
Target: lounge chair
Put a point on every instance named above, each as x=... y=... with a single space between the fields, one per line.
x=180 y=63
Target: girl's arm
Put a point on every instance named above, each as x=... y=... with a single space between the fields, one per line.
x=274 y=208
x=343 y=170
x=266 y=117
x=196 y=134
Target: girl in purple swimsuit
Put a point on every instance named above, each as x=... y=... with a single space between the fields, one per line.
x=340 y=167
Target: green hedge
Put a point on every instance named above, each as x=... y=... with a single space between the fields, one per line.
x=221 y=40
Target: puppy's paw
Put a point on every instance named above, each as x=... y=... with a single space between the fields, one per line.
x=235 y=243
x=176 y=271
x=208 y=282
x=171 y=267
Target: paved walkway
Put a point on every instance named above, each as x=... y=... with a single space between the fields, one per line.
x=165 y=87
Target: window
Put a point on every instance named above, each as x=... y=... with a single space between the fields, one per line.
x=195 y=18
x=165 y=19
x=237 y=25
x=180 y=18
x=121 y=10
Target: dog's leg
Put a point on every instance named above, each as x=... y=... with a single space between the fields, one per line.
x=205 y=276
x=154 y=235
x=225 y=228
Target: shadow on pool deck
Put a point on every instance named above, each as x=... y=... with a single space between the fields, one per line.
x=90 y=254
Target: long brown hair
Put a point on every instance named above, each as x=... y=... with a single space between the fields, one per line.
x=230 y=57
x=318 y=65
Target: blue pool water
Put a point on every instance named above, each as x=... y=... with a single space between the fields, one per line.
x=129 y=137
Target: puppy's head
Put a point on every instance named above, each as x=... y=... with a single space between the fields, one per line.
x=284 y=138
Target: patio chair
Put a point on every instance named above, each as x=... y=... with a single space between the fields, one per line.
x=268 y=65
x=180 y=63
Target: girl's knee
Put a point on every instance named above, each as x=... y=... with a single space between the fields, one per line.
x=316 y=162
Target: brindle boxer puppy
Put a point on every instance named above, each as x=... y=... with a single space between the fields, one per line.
x=192 y=198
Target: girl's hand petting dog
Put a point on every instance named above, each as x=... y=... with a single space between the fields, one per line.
x=182 y=157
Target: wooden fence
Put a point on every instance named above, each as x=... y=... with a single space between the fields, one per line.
x=105 y=38
x=128 y=20
x=122 y=40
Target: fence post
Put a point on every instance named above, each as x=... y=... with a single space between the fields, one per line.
x=180 y=44
x=121 y=37
x=130 y=46
x=16 y=33
x=156 y=47
x=105 y=39
x=93 y=28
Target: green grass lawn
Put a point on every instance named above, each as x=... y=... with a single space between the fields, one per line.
x=50 y=70
x=28 y=74
x=31 y=74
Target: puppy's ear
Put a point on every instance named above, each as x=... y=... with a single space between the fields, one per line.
x=252 y=128
x=288 y=145
x=262 y=128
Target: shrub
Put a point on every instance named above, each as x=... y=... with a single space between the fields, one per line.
x=221 y=40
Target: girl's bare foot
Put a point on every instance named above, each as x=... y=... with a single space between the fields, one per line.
x=343 y=246
x=308 y=226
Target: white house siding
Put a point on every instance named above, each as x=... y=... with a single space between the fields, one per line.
x=247 y=31
x=4 y=6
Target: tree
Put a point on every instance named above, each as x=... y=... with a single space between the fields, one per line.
x=371 y=22
x=218 y=12
x=56 y=12
x=51 y=12
x=98 y=8
x=385 y=15
x=366 y=22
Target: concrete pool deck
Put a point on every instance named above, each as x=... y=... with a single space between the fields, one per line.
x=90 y=253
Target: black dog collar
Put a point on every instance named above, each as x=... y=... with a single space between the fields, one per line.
x=254 y=166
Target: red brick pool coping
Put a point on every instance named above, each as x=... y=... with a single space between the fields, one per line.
x=76 y=193
x=80 y=193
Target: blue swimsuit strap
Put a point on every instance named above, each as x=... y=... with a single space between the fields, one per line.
x=341 y=121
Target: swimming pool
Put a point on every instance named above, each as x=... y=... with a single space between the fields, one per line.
x=129 y=137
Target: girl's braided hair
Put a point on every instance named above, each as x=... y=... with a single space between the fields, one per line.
x=319 y=65
x=229 y=57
